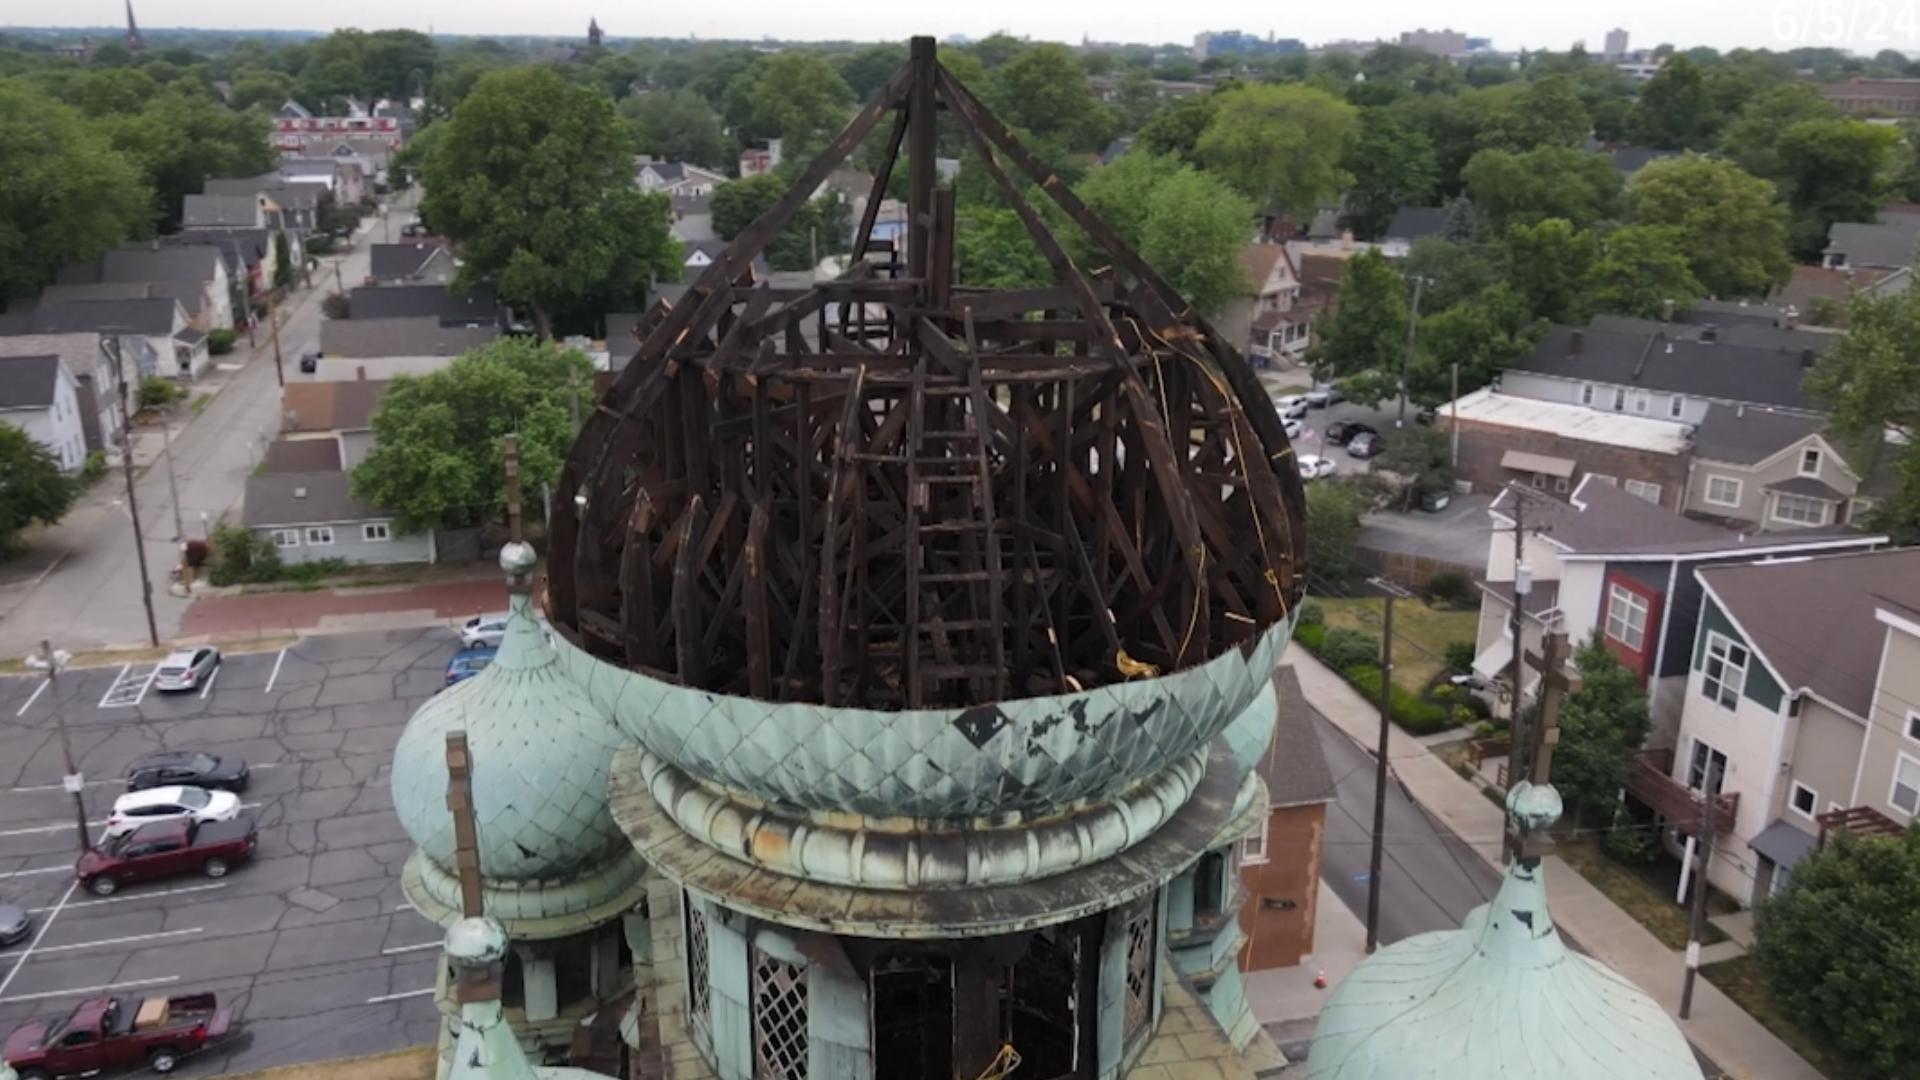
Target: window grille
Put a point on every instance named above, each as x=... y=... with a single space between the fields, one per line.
x=698 y=987
x=779 y=1019
x=1139 y=965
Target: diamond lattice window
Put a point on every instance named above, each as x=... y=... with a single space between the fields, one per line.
x=698 y=987
x=779 y=1019
x=1139 y=965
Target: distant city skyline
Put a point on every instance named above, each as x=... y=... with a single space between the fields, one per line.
x=1512 y=25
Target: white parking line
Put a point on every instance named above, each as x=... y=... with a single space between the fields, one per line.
x=122 y=940
x=388 y=997
x=208 y=689
x=403 y=907
x=35 y=943
x=41 y=689
x=125 y=897
x=398 y=949
x=126 y=695
x=276 y=670
x=83 y=991
x=40 y=870
x=62 y=787
x=115 y=685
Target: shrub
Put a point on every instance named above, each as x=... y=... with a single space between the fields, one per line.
x=319 y=243
x=1635 y=847
x=1450 y=587
x=336 y=306
x=1459 y=656
x=1345 y=648
x=157 y=392
x=1461 y=715
x=219 y=342
x=1416 y=716
x=1483 y=730
x=1311 y=635
x=237 y=557
x=95 y=467
x=1311 y=613
x=1444 y=693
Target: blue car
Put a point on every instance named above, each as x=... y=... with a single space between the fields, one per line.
x=469 y=662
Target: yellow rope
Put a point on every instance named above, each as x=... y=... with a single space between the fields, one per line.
x=1003 y=1063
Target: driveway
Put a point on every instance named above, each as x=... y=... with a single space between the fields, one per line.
x=1458 y=534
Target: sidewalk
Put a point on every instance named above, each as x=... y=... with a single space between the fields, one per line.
x=230 y=618
x=1719 y=1028
x=1279 y=995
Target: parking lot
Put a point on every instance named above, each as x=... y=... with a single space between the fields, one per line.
x=312 y=943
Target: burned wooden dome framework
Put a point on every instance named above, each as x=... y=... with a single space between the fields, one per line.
x=893 y=491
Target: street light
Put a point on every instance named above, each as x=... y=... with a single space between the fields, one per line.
x=51 y=660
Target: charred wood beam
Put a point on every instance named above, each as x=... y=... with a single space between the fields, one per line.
x=686 y=615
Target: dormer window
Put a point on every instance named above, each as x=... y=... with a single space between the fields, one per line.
x=1810 y=461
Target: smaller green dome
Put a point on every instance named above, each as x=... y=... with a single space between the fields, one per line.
x=1501 y=996
x=541 y=752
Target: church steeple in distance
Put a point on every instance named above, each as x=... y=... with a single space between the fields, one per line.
x=594 y=34
x=134 y=41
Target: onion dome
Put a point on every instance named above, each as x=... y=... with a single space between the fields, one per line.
x=485 y=1047
x=1501 y=996
x=548 y=846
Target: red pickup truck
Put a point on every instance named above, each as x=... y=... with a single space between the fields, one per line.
x=165 y=849
x=117 y=1033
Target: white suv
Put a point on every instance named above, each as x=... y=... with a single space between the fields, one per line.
x=137 y=808
x=484 y=630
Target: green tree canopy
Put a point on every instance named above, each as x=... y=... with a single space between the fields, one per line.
x=1176 y=128
x=1673 y=112
x=994 y=250
x=1733 y=230
x=1548 y=266
x=1335 y=509
x=437 y=459
x=1867 y=380
x=1481 y=335
x=1367 y=332
x=1833 y=170
x=1545 y=112
x=1640 y=269
x=1752 y=139
x=181 y=140
x=1280 y=145
x=868 y=70
x=533 y=178
x=398 y=63
x=798 y=98
x=1392 y=165
x=32 y=487
x=1602 y=725
x=1423 y=456
x=1185 y=223
x=1548 y=182
x=257 y=87
x=1042 y=90
x=65 y=193
x=816 y=226
x=1454 y=272
x=678 y=125
x=1839 y=948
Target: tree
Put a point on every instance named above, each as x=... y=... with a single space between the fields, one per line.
x=533 y=179
x=1422 y=455
x=1454 y=272
x=32 y=487
x=1279 y=145
x=1186 y=224
x=1481 y=336
x=1641 y=269
x=437 y=458
x=1548 y=266
x=1392 y=165
x=1602 y=725
x=869 y=69
x=1043 y=91
x=1839 y=949
x=1866 y=381
x=282 y=261
x=1176 y=129
x=398 y=63
x=1548 y=182
x=1335 y=509
x=677 y=125
x=1136 y=99
x=66 y=194
x=996 y=252
x=1832 y=170
x=180 y=140
x=1752 y=139
x=1732 y=228
x=738 y=202
x=1673 y=112
x=254 y=86
x=1367 y=332
x=1546 y=112
x=798 y=98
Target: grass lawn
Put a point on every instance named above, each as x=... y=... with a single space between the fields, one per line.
x=1421 y=633
x=1739 y=979
x=1631 y=889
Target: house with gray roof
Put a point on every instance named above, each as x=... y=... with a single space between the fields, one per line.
x=1874 y=245
x=411 y=262
x=384 y=348
x=1799 y=708
x=155 y=330
x=198 y=268
x=1410 y=224
x=297 y=204
x=1605 y=561
x=1771 y=470
x=38 y=395
x=676 y=177
x=480 y=306
x=313 y=516
x=91 y=361
x=226 y=212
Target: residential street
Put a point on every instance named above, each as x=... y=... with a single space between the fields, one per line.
x=79 y=585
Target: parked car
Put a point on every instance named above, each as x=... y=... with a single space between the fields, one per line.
x=1427 y=415
x=1313 y=466
x=413 y=228
x=15 y=924
x=1365 y=445
x=1324 y=395
x=309 y=363
x=469 y=662
x=190 y=768
x=106 y=1033
x=137 y=808
x=483 y=630
x=1294 y=428
x=187 y=669
x=1291 y=406
x=1435 y=501
x=167 y=849
x=1341 y=432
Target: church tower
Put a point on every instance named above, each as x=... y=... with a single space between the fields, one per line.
x=594 y=34
x=134 y=41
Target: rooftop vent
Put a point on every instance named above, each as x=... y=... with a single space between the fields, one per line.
x=299 y=493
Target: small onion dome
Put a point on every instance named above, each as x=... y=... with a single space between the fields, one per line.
x=540 y=755
x=1501 y=996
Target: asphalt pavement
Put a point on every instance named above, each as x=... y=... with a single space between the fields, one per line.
x=312 y=942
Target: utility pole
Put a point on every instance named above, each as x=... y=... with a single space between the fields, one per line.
x=51 y=661
x=1454 y=404
x=1553 y=685
x=173 y=481
x=133 y=504
x=1697 y=917
x=338 y=284
x=1406 y=358
x=273 y=321
x=1380 y=780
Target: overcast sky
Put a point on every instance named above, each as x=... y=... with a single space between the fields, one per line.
x=1863 y=25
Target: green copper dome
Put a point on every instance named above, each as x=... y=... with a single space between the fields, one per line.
x=1502 y=996
x=541 y=752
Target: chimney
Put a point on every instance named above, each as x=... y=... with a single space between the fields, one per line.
x=360 y=373
x=1666 y=311
x=1709 y=333
x=1575 y=343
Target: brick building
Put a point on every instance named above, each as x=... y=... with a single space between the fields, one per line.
x=1280 y=868
x=1552 y=446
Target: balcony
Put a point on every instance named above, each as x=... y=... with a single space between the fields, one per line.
x=1862 y=820
x=1651 y=781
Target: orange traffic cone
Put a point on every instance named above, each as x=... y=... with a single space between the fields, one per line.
x=1320 y=979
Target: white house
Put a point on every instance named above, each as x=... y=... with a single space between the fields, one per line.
x=38 y=395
